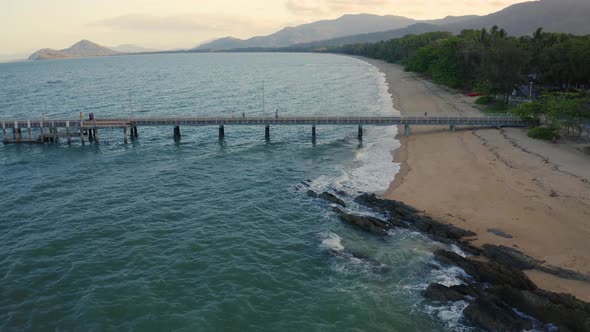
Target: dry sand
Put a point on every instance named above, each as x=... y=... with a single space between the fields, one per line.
x=481 y=179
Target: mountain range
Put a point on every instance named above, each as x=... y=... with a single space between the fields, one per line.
x=566 y=16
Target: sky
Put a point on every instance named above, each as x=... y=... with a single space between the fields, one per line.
x=28 y=25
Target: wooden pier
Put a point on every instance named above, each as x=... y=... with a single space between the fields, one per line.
x=52 y=131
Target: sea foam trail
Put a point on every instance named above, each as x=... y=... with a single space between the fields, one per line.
x=372 y=170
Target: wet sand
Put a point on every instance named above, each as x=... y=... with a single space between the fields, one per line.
x=536 y=193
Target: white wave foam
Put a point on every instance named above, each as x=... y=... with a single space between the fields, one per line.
x=332 y=241
x=451 y=315
x=372 y=169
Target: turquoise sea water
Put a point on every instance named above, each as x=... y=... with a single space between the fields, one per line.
x=203 y=235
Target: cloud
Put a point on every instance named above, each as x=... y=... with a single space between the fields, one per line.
x=178 y=23
x=322 y=7
x=412 y=8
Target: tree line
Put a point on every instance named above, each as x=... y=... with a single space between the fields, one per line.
x=493 y=63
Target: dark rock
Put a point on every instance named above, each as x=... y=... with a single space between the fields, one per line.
x=397 y=222
x=332 y=199
x=561 y=309
x=491 y=314
x=468 y=248
x=360 y=255
x=401 y=213
x=563 y=273
x=312 y=193
x=342 y=193
x=384 y=205
x=438 y=292
x=468 y=290
x=489 y=272
x=518 y=260
x=367 y=223
x=566 y=300
x=431 y=226
x=499 y=233
x=511 y=257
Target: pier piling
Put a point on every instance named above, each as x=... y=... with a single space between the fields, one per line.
x=360 y=134
x=41 y=132
x=125 y=130
x=96 y=136
x=30 y=131
x=4 y=138
x=68 y=133
x=221 y=133
x=176 y=133
x=54 y=137
x=313 y=135
x=267 y=133
x=407 y=130
x=135 y=133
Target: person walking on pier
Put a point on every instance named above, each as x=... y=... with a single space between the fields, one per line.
x=243 y=114
x=277 y=113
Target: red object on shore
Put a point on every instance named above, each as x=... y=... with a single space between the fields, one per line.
x=475 y=94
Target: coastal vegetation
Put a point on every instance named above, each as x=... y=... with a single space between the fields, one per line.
x=501 y=67
x=567 y=111
x=490 y=61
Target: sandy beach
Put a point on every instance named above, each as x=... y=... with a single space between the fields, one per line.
x=536 y=194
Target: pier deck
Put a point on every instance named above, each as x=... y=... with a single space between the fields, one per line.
x=80 y=128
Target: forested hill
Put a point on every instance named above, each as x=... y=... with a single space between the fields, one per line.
x=566 y=16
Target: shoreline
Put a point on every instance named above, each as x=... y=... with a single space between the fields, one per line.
x=509 y=189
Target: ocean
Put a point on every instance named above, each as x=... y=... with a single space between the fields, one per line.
x=203 y=235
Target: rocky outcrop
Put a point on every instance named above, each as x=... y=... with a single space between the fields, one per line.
x=500 y=296
x=561 y=309
x=509 y=256
x=407 y=216
x=442 y=293
x=487 y=272
x=312 y=194
x=492 y=308
x=366 y=223
x=491 y=314
x=384 y=205
x=518 y=260
x=326 y=196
